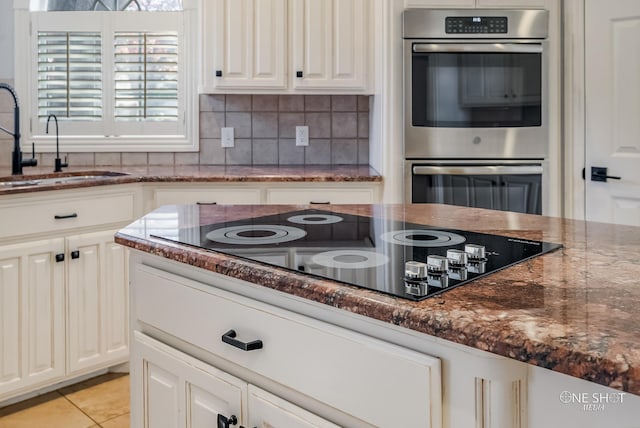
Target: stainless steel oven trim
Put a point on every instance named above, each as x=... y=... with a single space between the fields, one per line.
x=477 y=170
x=478 y=47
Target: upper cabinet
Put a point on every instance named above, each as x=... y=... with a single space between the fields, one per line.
x=286 y=46
x=248 y=48
x=329 y=45
x=480 y=4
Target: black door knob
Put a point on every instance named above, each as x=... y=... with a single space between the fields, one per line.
x=224 y=422
x=599 y=173
x=75 y=254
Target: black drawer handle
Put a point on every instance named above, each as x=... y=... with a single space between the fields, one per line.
x=61 y=217
x=319 y=202
x=206 y=203
x=229 y=337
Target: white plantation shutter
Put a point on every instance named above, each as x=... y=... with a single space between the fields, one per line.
x=111 y=76
x=146 y=76
x=70 y=75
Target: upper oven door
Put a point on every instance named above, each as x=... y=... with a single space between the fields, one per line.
x=476 y=85
x=475 y=99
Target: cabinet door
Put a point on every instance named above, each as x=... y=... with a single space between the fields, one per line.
x=31 y=315
x=330 y=44
x=267 y=410
x=174 y=390
x=97 y=301
x=249 y=44
x=511 y=4
x=320 y=195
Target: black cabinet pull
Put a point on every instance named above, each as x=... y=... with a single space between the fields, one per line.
x=60 y=257
x=61 y=217
x=224 y=422
x=229 y=338
x=319 y=202
x=299 y=74
x=75 y=254
x=599 y=173
x=218 y=73
x=206 y=203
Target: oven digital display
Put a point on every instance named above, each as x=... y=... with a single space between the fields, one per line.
x=476 y=25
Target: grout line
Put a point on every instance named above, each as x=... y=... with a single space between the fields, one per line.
x=82 y=411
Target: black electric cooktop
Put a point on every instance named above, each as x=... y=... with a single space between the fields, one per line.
x=367 y=252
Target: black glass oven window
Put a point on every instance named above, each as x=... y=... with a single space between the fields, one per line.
x=476 y=90
x=519 y=193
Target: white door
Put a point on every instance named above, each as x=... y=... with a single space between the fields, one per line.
x=249 y=43
x=96 y=301
x=31 y=315
x=174 y=390
x=612 y=106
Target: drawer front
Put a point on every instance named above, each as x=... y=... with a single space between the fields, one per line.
x=207 y=196
x=314 y=195
x=62 y=213
x=359 y=375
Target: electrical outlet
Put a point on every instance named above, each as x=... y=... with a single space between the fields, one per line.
x=302 y=135
x=226 y=136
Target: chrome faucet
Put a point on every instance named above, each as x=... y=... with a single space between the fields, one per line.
x=58 y=162
x=16 y=160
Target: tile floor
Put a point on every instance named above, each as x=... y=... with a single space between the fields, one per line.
x=102 y=401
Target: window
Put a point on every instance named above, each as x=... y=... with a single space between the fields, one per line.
x=116 y=79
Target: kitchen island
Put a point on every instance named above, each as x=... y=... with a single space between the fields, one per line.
x=505 y=342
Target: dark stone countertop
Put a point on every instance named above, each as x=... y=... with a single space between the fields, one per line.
x=573 y=310
x=189 y=174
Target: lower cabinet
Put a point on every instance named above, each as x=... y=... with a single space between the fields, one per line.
x=176 y=390
x=97 y=302
x=32 y=316
x=200 y=351
x=63 y=310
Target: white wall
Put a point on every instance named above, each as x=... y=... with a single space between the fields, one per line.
x=6 y=39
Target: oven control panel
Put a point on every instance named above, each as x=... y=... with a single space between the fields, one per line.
x=475 y=24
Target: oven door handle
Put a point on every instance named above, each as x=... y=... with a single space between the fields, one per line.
x=477 y=170
x=478 y=47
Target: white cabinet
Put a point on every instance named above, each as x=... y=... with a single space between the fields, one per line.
x=177 y=390
x=31 y=315
x=209 y=193
x=97 y=296
x=329 y=44
x=321 y=195
x=63 y=285
x=249 y=44
x=311 y=364
x=287 y=46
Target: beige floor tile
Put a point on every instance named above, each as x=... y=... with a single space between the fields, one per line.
x=102 y=398
x=119 y=422
x=49 y=410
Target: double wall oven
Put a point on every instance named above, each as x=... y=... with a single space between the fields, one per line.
x=475 y=107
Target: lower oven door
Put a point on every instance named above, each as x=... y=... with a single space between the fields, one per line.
x=506 y=187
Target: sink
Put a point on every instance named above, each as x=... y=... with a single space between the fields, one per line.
x=62 y=179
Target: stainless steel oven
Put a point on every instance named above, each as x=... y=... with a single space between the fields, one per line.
x=475 y=84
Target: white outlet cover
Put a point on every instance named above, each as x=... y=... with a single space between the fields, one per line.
x=226 y=137
x=302 y=135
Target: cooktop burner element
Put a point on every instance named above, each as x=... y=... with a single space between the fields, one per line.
x=423 y=238
x=252 y=234
x=403 y=259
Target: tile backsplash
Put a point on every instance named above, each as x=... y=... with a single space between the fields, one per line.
x=264 y=133
x=264 y=129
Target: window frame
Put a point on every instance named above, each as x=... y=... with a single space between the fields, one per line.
x=104 y=136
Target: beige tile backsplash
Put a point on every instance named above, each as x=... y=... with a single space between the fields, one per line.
x=264 y=131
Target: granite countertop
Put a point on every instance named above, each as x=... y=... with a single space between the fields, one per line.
x=572 y=310
x=189 y=173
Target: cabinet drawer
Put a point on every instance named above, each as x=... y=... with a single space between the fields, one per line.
x=320 y=195
x=207 y=196
x=49 y=214
x=346 y=370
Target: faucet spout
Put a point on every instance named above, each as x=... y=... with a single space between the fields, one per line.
x=16 y=160
x=58 y=164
